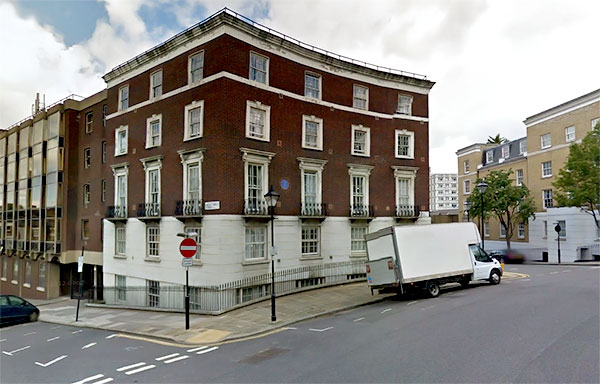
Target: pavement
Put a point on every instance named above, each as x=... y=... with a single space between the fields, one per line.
x=252 y=320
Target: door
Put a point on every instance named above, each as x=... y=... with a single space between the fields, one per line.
x=481 y=262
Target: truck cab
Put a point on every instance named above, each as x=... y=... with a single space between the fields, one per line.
x=484 y=265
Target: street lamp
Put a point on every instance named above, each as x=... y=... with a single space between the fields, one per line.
x=481 y=187
x=468 y=208
x=271 y=198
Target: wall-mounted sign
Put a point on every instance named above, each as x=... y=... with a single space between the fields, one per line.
x=212 y=205
x=285 y=184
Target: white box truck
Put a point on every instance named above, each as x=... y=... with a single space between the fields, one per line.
x=426 y=256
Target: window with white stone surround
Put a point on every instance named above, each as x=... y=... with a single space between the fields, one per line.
x=405 y=144
x=193 y=120
x=258 y=117
x=153 y=131
x=361 y=141
x=312 y=132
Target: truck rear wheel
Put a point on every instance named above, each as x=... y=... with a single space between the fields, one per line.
x=495 y=277
x=433 y=289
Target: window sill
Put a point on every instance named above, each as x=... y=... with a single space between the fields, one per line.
x=549 y=146
x=258 y=138
x=153 y=259
x=311 y=257
x=3 y=278
x=405 y=157
x=360 y=154
x=117 y=256
x=358 y=255
x=192 y=138
x=152 y=146
x=41 y=289
x=255 y=261
x=15 y=282
x=312 y=148
x=27 y=285
x=546 y=177
x=120 y=154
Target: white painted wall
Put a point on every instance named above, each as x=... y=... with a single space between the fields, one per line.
x=223 y=248
x=581 y=231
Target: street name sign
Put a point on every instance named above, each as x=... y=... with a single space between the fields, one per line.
x=187 y=262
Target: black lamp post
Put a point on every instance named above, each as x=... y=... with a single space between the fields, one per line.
x=481 y=187
x=186 y=297
x=558 y=228
x=271 y=198
x=468 y=208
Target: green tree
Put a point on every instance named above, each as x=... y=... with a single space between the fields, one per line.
x=578 y=182
x=497 y=139
x=503 y=200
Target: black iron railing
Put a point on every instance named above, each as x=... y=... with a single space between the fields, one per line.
x=313 y=209
x=407 y=211
x=256 y=207
x=188 y=208
x=148 y=210
x=359 y=210
x=116 y=212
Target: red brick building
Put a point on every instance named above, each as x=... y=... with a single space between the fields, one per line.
x=199 y=127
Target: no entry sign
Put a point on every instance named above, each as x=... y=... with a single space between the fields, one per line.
x=188 y=247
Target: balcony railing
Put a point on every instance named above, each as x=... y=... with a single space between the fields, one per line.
x=116 y=212
x=256 y=207
x=313 y=209
x=189 y=208
x=358 y=210
x=407 y=211
x=148 y=210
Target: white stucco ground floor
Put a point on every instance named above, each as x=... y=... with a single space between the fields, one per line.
x=579 y=237
x=141 y=257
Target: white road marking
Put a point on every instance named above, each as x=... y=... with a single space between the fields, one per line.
x=89 y=345
x=177 y=359
x=111 y=336
x=289 y=328
x=107 y=380
x=147 y=367
x=2 y=340
x=431 y=306
x=91 y=378
x=58 y=308
x=525 y=280
x=166 y=357
x=553 y=273
x=595 y=267
x=30 y=333
x=359 y=319
x=16 y=350
x=58 y=326
x=51 y=362
x=116 y=325
x=386 y=310
x=412 y=302
x=130 y=366
x=566 y=270
x=197 y=349
x=81 y=330
x=207 y=350
x=54 y=338
x=320 y=330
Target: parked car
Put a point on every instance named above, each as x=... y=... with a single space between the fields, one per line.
x=508 y=255
x=14 y=309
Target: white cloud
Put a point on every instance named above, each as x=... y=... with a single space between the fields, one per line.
x=494 y=63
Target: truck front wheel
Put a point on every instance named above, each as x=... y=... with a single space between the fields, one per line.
x=495 y=277
x=433 y=289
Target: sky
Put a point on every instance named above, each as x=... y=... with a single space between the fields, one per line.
x=494 y=62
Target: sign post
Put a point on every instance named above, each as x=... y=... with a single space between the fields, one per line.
x=188 y=249
x=557 y=228
x=80 y=270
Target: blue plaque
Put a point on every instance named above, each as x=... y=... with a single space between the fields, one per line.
x=285 y=184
